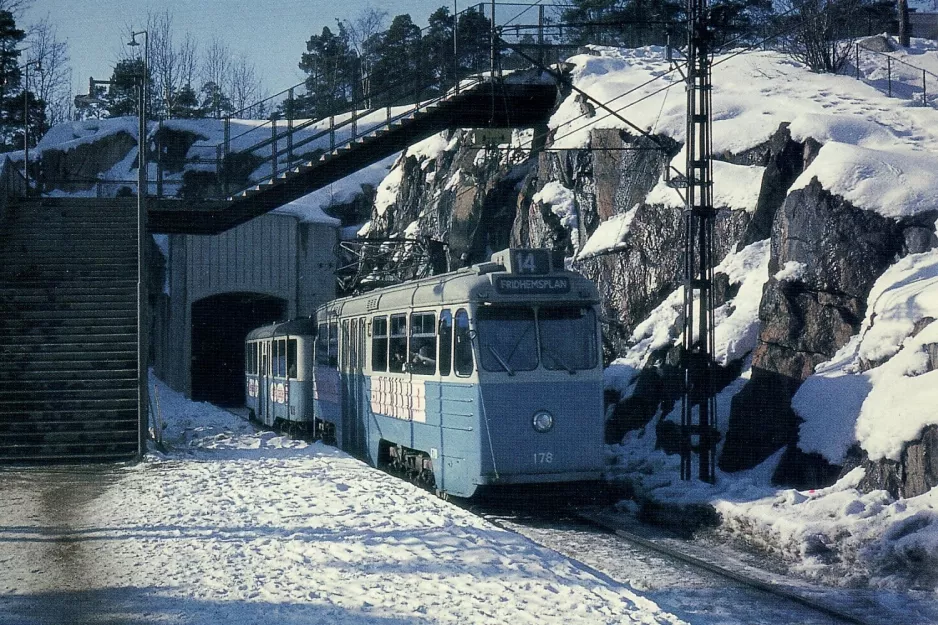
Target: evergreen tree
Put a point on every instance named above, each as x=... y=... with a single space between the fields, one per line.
x=473 y=36
x=122 y=93
x=400 y=71
x=214 y=102
x=15 y=106
x=186 y=104
x=331 y=69
x=438 y=50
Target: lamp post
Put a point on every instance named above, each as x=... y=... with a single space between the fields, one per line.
x=133 y=43
x=38 y=65
x=142 y=326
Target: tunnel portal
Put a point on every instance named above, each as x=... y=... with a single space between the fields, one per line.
x=219 y=325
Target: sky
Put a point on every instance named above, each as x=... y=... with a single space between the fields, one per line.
x=272 y=34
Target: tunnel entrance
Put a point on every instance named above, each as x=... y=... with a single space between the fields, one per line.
x=219 y=325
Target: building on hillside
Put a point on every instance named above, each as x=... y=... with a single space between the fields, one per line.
x=274 y=267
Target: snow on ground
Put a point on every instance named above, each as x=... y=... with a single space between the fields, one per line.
x=241 y=526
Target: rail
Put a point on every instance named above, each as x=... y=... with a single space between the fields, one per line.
x=897 y=78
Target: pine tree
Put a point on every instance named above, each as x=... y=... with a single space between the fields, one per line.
x=332 y=76
x=122 y=94
x=186 y=104
x=15 y=106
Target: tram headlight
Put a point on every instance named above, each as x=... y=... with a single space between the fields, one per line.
x=543 y=421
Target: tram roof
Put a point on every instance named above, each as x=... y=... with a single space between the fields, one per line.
x=471 y=284
x=294 y=327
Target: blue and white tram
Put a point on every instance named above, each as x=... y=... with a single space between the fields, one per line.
x=278 y=364
x=486 y=376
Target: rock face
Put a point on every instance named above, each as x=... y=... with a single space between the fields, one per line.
x=833 y=253
x=77 y=169
x=826 y=255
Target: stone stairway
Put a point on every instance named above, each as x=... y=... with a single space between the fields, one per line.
x=68 y=331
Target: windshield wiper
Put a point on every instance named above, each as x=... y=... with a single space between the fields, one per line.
x=557 y=360
x=500 y=360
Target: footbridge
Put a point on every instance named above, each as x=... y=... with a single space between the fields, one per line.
x=370 y=135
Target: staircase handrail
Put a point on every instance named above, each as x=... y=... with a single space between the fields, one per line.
x=357 y=115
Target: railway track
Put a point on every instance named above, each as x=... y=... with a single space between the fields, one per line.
x=746 y=594
x=747 y=578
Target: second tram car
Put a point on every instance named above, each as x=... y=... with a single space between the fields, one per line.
x=278 y=368
x=486 y=376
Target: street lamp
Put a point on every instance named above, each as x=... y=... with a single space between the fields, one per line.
x=142 y=326
x=133 y=43
x=38 y=65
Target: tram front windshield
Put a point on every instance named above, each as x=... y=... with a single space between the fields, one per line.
x=519 y=338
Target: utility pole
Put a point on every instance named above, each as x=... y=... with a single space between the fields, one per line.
x=698 y=407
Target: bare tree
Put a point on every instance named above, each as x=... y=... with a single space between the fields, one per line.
x=246 y=88
x=216 y=76
x=361 y=29
x=188 y=59
x=16 y=7
x=819 y=33
x=165 y=70
x=53 y=82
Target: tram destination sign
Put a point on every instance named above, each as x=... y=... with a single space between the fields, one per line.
x=532 y=285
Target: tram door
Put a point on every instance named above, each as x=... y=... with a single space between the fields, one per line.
x=348 y=409
x=263 y=382
x=352 y=358
x=358 y=385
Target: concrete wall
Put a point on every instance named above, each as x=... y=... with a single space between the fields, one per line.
x=924 y=25
x=274 y=255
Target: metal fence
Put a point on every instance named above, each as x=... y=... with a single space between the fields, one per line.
x=893 y=76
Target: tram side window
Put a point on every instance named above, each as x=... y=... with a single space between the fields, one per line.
x=334 y=344
x=422 y=354
x=291 y=358
x=248 y=369
x=462 y=352
x=398 y=343
x=322 y=345
x=254 y=358
x=446 y=341
x=379 y=344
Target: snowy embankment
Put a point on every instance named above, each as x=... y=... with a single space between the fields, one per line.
x=242 y=526
x=880 y=154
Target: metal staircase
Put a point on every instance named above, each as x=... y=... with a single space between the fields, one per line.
x=479 y=103
x=68 y=331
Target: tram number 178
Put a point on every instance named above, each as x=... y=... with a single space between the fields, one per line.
x=543 y=457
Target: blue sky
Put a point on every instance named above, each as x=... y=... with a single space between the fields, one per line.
x=272 y=34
